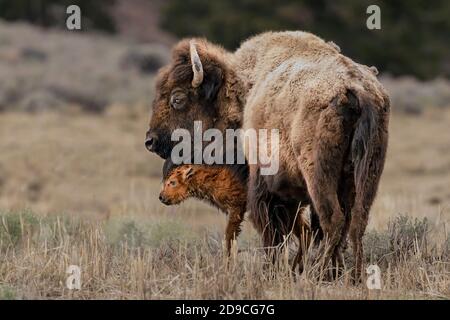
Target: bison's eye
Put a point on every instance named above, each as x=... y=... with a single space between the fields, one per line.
x=172 y=183
x=178 y=99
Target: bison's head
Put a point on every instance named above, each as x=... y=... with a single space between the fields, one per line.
x=188 y=89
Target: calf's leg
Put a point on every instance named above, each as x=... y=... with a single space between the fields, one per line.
x=233 y=229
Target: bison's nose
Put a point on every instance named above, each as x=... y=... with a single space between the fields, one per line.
x=150 y=142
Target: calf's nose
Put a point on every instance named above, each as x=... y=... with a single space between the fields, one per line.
x=164 y=200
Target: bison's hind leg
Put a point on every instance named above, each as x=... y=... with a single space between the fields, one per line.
x=346 y=195
x=323 y=170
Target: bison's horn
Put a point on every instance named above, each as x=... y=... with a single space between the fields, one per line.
x=374 y=70
x=196 y=65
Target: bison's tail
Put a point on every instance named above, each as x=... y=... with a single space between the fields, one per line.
x=362 y=145
x=368 y=150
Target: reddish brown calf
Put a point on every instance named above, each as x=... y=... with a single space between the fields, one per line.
x=218 y=185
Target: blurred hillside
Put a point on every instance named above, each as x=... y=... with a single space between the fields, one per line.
x=413 y=39
x=50 y=69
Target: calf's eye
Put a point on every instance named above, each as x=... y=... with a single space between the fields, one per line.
x=173 y=183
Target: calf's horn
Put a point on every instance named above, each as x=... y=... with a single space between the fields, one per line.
x=196 y=65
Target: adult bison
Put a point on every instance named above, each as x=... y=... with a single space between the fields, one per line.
x=332 y=115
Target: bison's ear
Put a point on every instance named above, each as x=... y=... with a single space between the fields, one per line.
x=211 y=83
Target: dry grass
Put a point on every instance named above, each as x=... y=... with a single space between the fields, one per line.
x=160 y=259
x=79 y=189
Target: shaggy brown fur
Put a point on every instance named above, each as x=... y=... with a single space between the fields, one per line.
x=331 y=112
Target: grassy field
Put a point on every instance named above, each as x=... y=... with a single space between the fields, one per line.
x=79 y=189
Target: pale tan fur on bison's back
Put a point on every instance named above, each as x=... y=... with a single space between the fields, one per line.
x=291 y=77
x=288 y=72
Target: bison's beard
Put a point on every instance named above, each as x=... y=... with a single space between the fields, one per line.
x=164 y=153
x=164 y=146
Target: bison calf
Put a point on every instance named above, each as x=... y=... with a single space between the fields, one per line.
x=221 y=186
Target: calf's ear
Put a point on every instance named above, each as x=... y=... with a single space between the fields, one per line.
x=188 y=172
